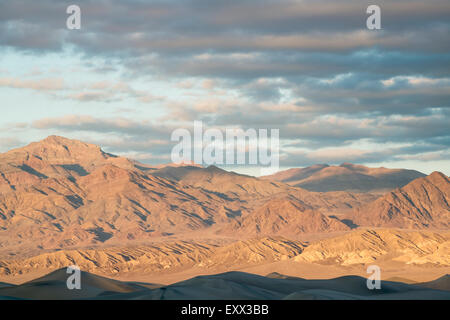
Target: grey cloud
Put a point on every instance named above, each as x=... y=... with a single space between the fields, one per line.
x=328 y=140
x=340 y=155
x=9 y=142
x=317 y=51
x=189 y=22
x=112 y=125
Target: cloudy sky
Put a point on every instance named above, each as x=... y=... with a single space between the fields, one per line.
x=137 y=70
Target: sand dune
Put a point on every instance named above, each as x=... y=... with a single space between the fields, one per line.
x=442 y=283
x=53 y=286
x=230 y=285
x=5 y=285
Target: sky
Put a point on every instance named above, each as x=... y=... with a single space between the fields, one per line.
x=138 y=70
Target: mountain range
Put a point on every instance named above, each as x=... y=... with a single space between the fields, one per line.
x=62 y=193
x=346 y=177
x=64 y=201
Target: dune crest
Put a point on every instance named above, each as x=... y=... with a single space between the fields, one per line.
x=224 y=286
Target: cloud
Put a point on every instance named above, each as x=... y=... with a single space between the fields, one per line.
x=102 y=125
x=224 y=25
x=308 y=68
x=102 y=91
x=328 y=139
x=118 y=135
x=338 y=155
x=8 y=142
x=37 y=85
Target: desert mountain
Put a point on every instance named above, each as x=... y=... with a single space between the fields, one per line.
x=368 y=246
x=56 y=156
x=248 y=189
x=346 y=177
x=284 y=217
x=59 y=192
x=423 y=203
x=226 y=183
x=62 y=193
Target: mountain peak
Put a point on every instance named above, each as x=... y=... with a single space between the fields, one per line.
x=57 y=150
x=57 y=139
x=437 y=175
x=436 y=178
x=54 y=140
x=347 y=164
x=213 y=168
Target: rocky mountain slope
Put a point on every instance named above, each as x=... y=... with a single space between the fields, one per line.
x=60 y=193
x=423 y=203
x=346 y=177
x=375 y=245
x=285 y=217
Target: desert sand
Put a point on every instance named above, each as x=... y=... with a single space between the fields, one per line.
x=230 y=285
